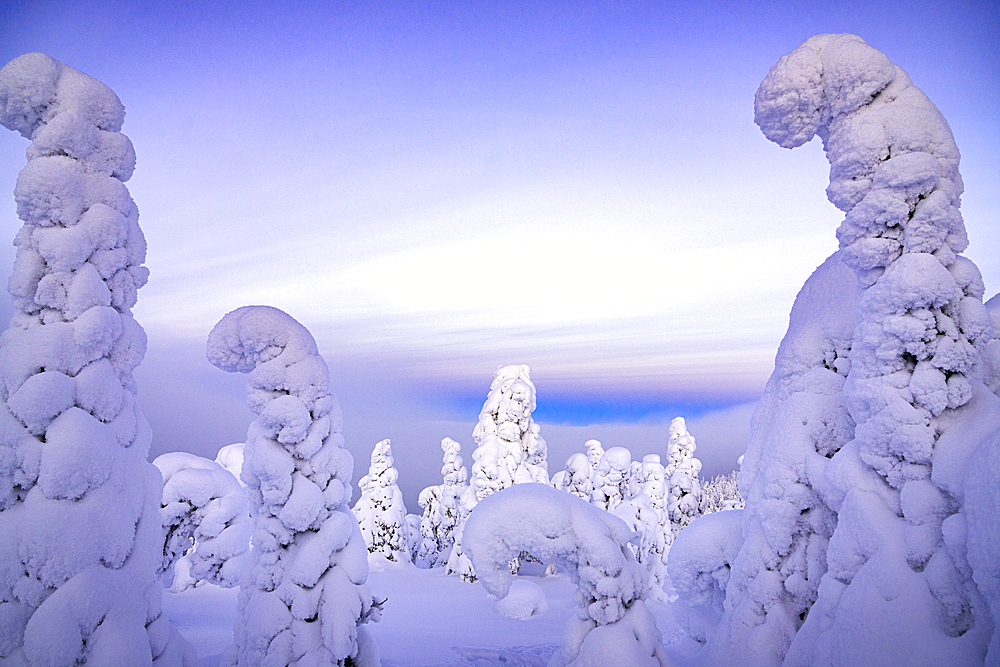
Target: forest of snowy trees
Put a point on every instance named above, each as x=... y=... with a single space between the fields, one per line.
x=861 y=528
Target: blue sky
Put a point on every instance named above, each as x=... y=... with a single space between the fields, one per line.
x=436 y=189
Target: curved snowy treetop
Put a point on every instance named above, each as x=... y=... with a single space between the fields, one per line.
x=280 y=356
x=556 y=527
x=65 y=113
x=888 y=145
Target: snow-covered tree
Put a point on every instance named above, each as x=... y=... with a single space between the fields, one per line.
x=443 y=508
x=508 y=449
x=656 y=543
x=613 y=625
x=230 y=457
x=206 y=516
x=682 y=474
x=80 y=534
x=896 y=559
x=576 y=478
x=611 y=480
x=722 y=492
x=304 y=599
x=380 y=510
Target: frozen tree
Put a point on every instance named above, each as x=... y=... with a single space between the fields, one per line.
x=594 y=453
x=230 y=457
x=657 y=542
x=206 y=516
x=304 y=598
x=80 y=534
x=700 y=567
x=896 y=559
x=380 y=510
x=611 y=480
x=613 y=625
x=508 y=449
x=576 y=478
x=722 y=492
x=443 y=509
x=682 y=475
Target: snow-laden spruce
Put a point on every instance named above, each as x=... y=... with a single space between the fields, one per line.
x=682 y=470
x=656 y=542
x=442 y=506
x=722 y=492
x=230 y=457
x=380 y=511
x=611 y=479
x=206 y=517
x=576 y=478
x=304 y=598
x=899 y=587
x=509 y=449
x=613 y=625
x=80 y=533
x=800 y=422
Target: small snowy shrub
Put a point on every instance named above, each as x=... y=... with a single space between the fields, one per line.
x=80 y=533
x=613 y=625
x=380 y=510
x=304 y=599
x=206 y=516
x=700 y=565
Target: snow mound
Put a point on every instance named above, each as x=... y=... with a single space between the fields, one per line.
x=524 y=599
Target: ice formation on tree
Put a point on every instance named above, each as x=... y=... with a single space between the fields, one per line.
x=442 y=508
x=594 y=453
x=304 y=599
x=576 y=478
x=79 y=503
x=611 y=480
x=800 y=422
x=613 y=625
x=380 y=510
x=206 y=516
x=657 y=540
x=899 y=586
x=682 y=475
x=508 y=449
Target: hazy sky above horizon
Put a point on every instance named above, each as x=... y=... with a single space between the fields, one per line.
x=435 y=189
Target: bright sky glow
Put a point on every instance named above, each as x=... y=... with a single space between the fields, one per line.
x=438 y=190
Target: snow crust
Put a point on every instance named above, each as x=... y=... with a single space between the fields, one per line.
x=591 y=546
x=79 y=504
x=304 y=597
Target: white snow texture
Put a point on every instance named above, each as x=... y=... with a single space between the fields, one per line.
x=864 y=529
x=304 y=598
x=380 y=511
x=206 y=516
x=79 y=503
x=613 y=625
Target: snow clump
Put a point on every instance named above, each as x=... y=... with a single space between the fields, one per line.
x=79 y=503
x=206 y=517
x=613 y=625
x=304 y=598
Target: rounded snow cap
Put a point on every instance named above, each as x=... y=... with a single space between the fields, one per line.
x=35 y=87
x=827 y=76
x=252 y=335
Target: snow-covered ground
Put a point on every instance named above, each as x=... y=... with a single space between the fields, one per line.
x=429 y=618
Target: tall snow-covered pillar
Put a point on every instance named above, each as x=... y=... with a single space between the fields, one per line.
x=304 y=599
x=80 y=533
x=896 y=560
